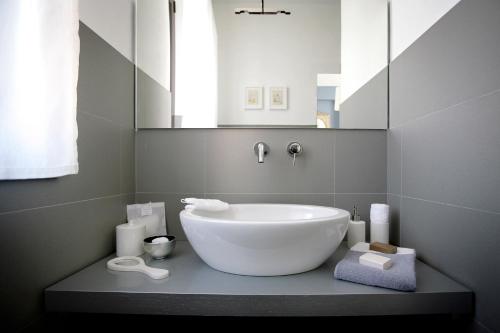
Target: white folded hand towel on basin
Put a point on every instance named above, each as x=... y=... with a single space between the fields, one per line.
x=213 y=205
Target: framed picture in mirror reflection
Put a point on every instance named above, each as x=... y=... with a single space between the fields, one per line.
x=278 y=98
x=254 y=98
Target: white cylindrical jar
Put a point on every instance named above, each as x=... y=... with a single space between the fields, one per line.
x=130 y=239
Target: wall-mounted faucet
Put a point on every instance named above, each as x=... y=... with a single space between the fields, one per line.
x=261 y=149
x=294 y=149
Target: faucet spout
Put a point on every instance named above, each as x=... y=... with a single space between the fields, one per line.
x=261 y=153
x=261 y=150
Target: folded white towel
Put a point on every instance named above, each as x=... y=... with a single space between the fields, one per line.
x=160 y=240
x=213 y=205
x=379 y=213
x=365 y=247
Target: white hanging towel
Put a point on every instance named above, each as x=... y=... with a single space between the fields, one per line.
x=213 y=205
x=39 y=50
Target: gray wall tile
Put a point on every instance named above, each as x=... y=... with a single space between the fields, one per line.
x=223 y=161
x=394 y=145
x=49 y=244
x=455 y=60
x=99 y=165
x=360 y=162
x=171 y=161
x=106 y=80
x=99 y=149
x=454 y=156
x=450 y=157
x=232 y=164
x=460 y=242
x=127 y=160
x=154 y=107
x=367 y=107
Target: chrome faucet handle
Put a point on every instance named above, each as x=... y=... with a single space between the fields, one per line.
x=261 y=149
x=294 y=149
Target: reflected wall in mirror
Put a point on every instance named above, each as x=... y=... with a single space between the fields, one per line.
x=305 y=63
x=153 y=98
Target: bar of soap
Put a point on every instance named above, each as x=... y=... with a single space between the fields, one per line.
x=376 y=261
x=384 y=248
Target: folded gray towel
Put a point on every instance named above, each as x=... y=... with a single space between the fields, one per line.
x=401 y=276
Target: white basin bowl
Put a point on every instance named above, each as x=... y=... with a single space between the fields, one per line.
x=265 y=239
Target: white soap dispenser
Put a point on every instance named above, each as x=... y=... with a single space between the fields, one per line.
x=356 y=229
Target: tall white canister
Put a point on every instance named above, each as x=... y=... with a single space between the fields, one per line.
x=130 y=239
x=379 y=223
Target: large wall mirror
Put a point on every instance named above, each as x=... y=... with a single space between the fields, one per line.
x=254 y=63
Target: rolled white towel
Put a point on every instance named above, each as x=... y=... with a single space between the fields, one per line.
x=160 y=240
x=379 y=213
x=213 y=205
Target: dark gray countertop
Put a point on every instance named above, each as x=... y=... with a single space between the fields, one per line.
x=194 y=288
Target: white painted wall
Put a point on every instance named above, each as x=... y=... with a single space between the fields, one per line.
x=364 y=43
x=329 y=80
x=113 y=21
x=275 y=51
x=411 y=18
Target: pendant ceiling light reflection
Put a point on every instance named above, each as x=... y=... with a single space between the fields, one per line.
x=260 y=11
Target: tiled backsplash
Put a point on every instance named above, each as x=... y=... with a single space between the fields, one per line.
x=337 y=168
